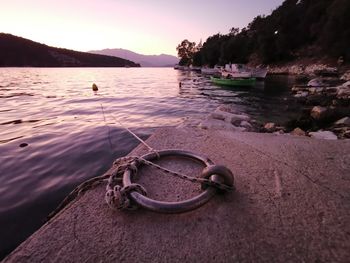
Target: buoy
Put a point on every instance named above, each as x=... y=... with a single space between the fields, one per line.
x=94 y=87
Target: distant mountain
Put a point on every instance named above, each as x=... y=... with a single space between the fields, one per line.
x=145 y=60
x=20 y=52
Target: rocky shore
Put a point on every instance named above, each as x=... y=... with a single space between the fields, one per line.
x=325 y=102
x=301 y=69
x=323 y=96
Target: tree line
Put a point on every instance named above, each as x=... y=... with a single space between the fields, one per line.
x=296 y=29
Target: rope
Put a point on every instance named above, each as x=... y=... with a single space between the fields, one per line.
x=121 y=165
x=117 y=197
x=137 y=137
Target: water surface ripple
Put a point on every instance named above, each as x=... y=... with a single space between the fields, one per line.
x=53 y=134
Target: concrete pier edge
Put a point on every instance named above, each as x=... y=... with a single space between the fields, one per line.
x=292 y=204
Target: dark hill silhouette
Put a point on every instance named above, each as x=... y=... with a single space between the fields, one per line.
x=20 y=52
x=161 y=60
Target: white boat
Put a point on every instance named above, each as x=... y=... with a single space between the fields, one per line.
x=211 y=71
x=240 y=70
x=194 y=68
x=259 y=73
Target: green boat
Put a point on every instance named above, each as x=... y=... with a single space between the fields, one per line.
x=234 y=82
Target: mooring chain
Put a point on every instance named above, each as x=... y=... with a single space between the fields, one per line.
x=117 y=197
x=189 y=178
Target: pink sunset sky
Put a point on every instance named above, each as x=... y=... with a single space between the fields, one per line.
x=143 y=26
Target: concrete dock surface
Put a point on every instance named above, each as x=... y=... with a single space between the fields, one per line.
x=291 y=204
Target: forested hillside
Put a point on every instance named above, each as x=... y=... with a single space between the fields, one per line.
x=297 y=29
x=20 y=52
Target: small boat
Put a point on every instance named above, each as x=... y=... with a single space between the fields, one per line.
x=239 y=69
x=244 y=82
x=194 y=68
x=211 y=71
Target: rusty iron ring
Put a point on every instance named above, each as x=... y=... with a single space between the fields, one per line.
x=171 y=207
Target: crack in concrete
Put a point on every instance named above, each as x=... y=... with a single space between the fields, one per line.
x=278 y=183
x=75 y=235
x=271 y=200
x=293 y=168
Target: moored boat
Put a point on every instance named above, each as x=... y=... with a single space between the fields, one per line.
x=246 y=82
x=211 y=71
x=241 y=70
x=194 y=68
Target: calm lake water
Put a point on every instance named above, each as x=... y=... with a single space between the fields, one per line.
x=67 y=139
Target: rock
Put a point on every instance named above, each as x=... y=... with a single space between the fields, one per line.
x=212 y=124
x=296 y=70
x=301 y=94
x=297 y=88
x=335 y=102
x=331 y=90
x=317 y=82
x=218 y=116
x=343 y=121
x=298 y=132
x=346 y=134
x=318 y=112
x=280 y=132
x=246 y=124
x=346 y=84
x=343 y=91
x=270 y=126
x=346 y=76
x=313 y=90
x=228 y=117
x=327 y=72
x=238 y=117
x=326 y=135
x=321 y=69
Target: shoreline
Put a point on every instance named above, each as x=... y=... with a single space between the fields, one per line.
x=323 y=94
x=242 y=122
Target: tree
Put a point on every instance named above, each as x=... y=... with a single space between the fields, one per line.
x=296 y=29
x=234 y=31
x=185 y=52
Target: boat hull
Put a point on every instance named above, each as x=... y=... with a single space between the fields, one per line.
x=234 y=82
x=258 y=73
x=210 y=71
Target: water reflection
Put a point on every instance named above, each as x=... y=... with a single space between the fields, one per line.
x=69 y=139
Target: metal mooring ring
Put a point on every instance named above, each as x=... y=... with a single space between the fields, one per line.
x=171 y=207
